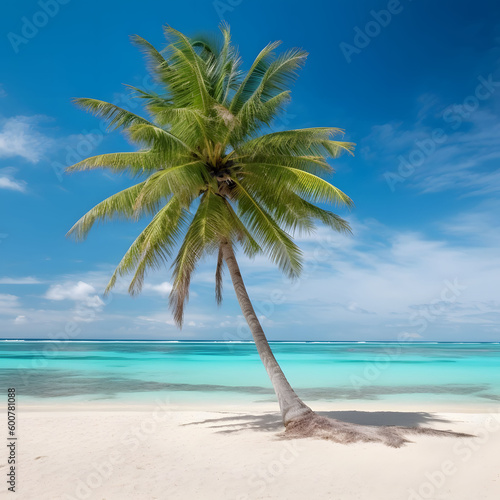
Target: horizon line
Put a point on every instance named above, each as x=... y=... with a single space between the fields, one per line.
x=252 y=342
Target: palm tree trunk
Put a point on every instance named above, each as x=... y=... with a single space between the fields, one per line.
x=292 y=407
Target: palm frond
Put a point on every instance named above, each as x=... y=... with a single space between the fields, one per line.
x=152 y=98
x=274 y=241
x=211 y=176
x=289 y=213
x=119 y=206
x=255 y=114
x=329 y=219
x=241 y=234
x=209 y=226
x=116 y=116
x=314 y=164
x=158 y=138
x=136 y=163
x=185 y=181
x=153 y=246
x=275 y=81
x=188 y=80
x=304 y=183
x=157 y=64
x=300 y=142
x=222 y=64
x=253 y=78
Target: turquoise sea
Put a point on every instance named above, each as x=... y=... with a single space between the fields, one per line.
x=222 y=372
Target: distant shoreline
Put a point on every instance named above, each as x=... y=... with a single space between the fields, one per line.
x=172 y=341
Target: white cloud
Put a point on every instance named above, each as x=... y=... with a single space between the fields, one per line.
x=19 y=136
x=9 y=305
x=21 y=319
x=99 y=279
x=163 y=288
x=371 y=286
x=8 y=301
x=13 y=185
x=162 y=318
x=79 y=292
x=480 y=224
x=28 y=280
x=379 y=288
x=8 y=181
x=411 y=336
x=191 y=319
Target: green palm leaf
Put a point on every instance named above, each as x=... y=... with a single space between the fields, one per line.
x=209 y=226
x=157 y=64
x=135 y=163
x=153 y=246
x=254 y=77
x=116 y=116
x=119 y=206
x=304 y=183
x=277 y=244
x=188 y=78
x=301 y=142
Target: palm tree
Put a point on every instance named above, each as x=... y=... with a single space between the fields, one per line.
x=213 y=182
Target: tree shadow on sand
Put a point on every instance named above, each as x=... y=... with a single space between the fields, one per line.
x=390 y=428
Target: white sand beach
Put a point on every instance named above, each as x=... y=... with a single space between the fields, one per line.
x=158 y=453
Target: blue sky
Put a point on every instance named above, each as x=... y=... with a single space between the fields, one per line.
x=415 y=84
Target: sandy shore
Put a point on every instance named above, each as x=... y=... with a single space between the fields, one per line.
x=163 y=452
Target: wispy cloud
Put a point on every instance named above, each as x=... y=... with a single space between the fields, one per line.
x=370 y=286
x=478 y=225
x=163 y=288
x=446 y=148
x=20 y=136
x=375 y=288
x=28 y=280
x=9 y=304
x=192 y=320
x=8 y=181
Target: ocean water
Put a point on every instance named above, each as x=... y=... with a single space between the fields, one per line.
x=221 y=372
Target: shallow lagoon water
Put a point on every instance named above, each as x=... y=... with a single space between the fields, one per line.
x=231 y=372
